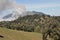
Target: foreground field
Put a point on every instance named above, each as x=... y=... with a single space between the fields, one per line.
x=19 y=35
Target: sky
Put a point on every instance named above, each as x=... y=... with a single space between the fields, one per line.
x=51 y=7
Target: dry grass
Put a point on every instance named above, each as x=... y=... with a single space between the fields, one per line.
x=19 y=35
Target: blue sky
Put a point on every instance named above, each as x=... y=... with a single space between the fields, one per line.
x=51 y=7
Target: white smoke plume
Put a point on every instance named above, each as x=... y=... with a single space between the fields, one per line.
x=7 y=4
x=11 y=4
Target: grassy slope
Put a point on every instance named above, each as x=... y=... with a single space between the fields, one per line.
x=19 y=35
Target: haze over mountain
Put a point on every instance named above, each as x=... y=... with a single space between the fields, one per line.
x=20 y=10
x=15 y=15
x=17 y=10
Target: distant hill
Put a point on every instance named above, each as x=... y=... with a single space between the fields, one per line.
x=9 y=15
x=15 y=15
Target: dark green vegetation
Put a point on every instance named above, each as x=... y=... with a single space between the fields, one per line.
x=27 y=23
x=45 y=24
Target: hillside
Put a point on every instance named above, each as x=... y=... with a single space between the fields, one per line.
x=25 y=23
x=30 y=23
x=18 y=35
